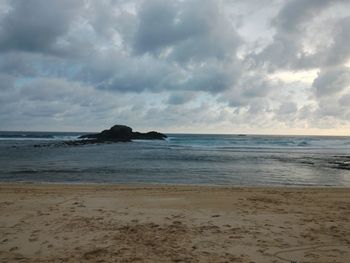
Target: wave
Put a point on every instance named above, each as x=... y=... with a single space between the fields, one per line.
x=38 y=136
x=256 y=142
x=206 y=142
x=10 y=136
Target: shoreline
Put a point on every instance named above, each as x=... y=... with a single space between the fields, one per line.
x=173 y=223
x=152 y=185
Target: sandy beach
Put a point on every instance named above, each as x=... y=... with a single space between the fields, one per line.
x=117 y=223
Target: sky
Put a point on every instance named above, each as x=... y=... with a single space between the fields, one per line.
x=191 y=66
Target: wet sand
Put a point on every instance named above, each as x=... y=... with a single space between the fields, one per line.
x=100 y=223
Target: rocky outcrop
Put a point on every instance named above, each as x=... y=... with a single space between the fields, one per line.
x=118 y=133
x=152 y=135
x=122 y=133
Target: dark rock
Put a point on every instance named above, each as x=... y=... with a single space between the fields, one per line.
x=118 y=133
x=122 y=133
x=152 y=135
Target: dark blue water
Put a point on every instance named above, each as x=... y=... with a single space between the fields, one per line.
x=181 y=159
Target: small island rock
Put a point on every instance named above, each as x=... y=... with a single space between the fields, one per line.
x=122 y=133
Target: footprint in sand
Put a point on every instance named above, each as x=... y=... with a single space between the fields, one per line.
x=79 y=204
x=177 y=216
x=13 y=249
x=35 y=232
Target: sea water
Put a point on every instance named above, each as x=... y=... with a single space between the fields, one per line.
x=180 y=159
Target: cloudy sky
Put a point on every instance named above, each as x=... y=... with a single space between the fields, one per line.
x=208 y=66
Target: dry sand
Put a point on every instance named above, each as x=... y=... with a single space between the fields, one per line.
x=99 y=223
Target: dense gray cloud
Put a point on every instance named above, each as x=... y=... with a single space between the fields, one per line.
x=290 y=48
x=35 y=25
x=339 y=52
x=331 y=81
x=332 y=90
x=188 y=30
x=181 y=98
x=6 y=81
x=180 y=65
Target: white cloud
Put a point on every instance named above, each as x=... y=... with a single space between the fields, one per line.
x=229 y=66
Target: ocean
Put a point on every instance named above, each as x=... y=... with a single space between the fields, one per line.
x=232 y=160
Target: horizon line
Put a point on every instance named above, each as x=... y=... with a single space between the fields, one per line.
x=199 y=133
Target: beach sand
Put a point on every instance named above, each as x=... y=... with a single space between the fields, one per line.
x=116 y=223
